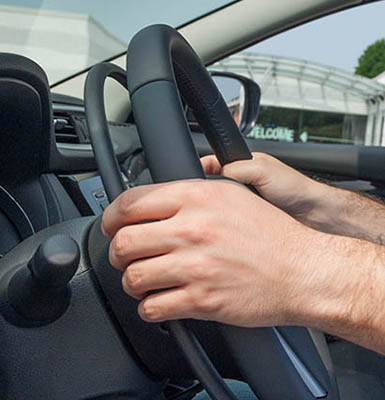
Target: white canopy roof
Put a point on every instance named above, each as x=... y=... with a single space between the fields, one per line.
x=301 y=84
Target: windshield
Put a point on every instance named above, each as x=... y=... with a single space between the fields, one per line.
x=68 y=36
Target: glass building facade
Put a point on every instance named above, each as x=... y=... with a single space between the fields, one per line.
x=303 y=101
x=294 y=125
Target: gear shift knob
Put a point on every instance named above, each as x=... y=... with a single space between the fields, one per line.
x=39 y=291
x=55 y=262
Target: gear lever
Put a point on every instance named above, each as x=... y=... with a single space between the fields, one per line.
x=39 y=291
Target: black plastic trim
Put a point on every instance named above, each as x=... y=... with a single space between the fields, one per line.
x=359 y=162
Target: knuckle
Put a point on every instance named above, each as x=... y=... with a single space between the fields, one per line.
x=203 y=301
x=199 y=271
x=150 y=311
x=261 y=158
x=120 y=244
x=208 y=227
x=192 y=233
x=193 y=192
x=132 y=278
x=199 y=231
x=125 y=203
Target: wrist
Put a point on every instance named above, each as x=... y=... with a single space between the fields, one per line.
x=342 y=293
x=342 y=212
x=327 y=208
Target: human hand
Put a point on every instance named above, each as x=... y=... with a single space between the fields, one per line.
x=303 y=198
x=216 y=251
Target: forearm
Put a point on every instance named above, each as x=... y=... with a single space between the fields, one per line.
x=344 y=294
x=346 y=213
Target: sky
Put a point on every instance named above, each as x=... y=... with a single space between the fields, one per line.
x=337 y=40
x=125 y=17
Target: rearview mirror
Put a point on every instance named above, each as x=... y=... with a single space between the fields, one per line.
x=242 y=96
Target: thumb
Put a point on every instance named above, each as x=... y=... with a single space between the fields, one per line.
x=248 y=172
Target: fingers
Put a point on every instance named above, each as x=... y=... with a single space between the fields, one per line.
x=176 y=303
x=150 y=274
x=144 y=203
x=166 y=305
x=211 y=165
x=180 y=303
x=249 y=172
x=141 y=241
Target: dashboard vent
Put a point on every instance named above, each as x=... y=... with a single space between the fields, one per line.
x=65 y=131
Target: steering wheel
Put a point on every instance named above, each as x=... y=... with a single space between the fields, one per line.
x=288 y=363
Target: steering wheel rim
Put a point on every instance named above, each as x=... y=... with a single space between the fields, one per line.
x=155 y=96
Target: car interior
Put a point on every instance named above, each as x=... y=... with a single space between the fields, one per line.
x=145 y=115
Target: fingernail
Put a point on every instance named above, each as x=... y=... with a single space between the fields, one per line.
x=103 y=231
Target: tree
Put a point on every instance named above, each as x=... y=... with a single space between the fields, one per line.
x=372 y=61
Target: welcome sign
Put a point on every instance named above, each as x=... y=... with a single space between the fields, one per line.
x=280 y=133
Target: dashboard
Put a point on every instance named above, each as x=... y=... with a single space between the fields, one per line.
x=86 y=189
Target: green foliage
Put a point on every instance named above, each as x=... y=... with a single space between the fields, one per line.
x=372 y=61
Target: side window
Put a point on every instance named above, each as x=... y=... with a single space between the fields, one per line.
x=322 y=82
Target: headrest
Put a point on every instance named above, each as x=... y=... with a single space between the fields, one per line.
x=25 y=119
